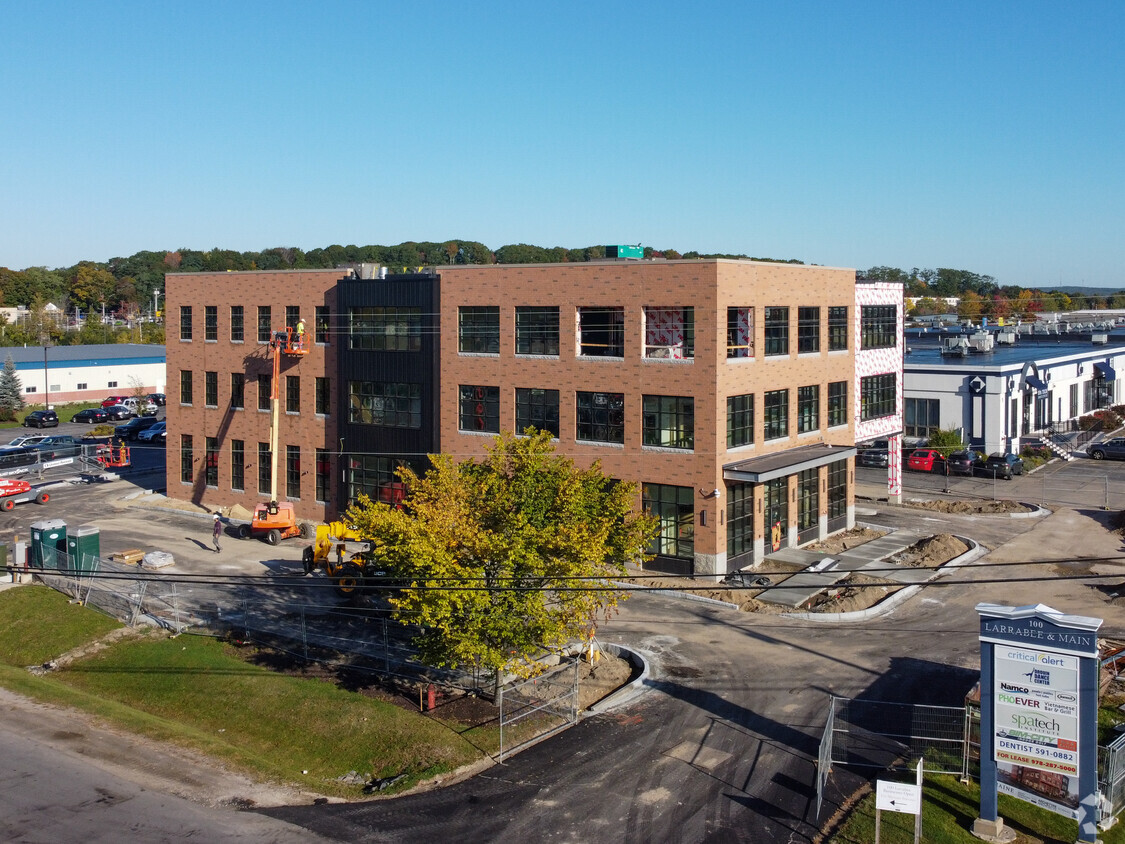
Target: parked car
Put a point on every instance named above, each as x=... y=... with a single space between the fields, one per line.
x=925 y=460
x=62 y=445
x=118 y=411
x=1109 y=450
x=1000 y=466
x=26 y=441
x=877 y=454
x=91 y=416
x=112 y=400
x=130 y=429
x=961 y=462
x=41 y=419
x=159 y=399
x=156 y=434
x=140 y=407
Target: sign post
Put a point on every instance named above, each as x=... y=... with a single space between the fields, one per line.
x=899 y=797
x=1039 y=714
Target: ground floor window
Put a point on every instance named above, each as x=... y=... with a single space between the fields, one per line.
x=808 y=505
x=293 y=471
x=837 y=492
x=186 y=458
x=323 y=474
x=237 y=465
x=265 y=474
x=921 y=417
x=211 y=467
x=740 y=520
x=374 y=477
x=777 y=512
x=674 y=509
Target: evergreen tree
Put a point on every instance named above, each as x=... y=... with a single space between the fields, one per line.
x=11 y=391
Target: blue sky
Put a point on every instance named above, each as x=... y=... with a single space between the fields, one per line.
x=984 y=136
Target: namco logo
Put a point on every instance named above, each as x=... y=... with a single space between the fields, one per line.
x=1008 y=687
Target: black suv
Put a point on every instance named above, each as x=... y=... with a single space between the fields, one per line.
x=41 y=419
x=133 y=427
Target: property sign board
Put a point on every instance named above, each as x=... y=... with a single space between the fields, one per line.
x=898 y=797
x=1039 y=710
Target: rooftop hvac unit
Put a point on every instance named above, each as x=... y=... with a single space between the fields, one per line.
x=367 y=271
x=954 y=345
x=1006 y=338
x=1099 y=339
x=982 y=341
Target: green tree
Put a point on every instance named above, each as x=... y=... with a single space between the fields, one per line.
x=11 y=391
x=970 y=306
x=946 y=440
x=505 y=557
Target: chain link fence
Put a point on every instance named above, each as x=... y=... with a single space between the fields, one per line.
x=534 y=709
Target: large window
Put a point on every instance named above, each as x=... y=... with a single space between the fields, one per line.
x=478 y=330
x=921 y=417
x=740 y=520
x=385 y=329
x=323 y=474
x=237 y=390
x=479 y=408
x=210 y=323
x=293 y=471
x=374 y=477
x=837 y=403
x=211 y=462
x=211 y=389
x=808 y=330
x=265 y=477
x=186 y=386
x=264 y=390
x=669 y=333
x=776 y=516
x=777 y=331
x=323 y=388
x=740 y=332
x=740 y=420
x=292 y=394
x=237 y=465
x=669 y=421
x=808 y=408
x=265 y=321
x=387 y=403
x=674 y=509
x=537 y=331
x=601 y=332
x=537 y=409
x=838 y=328
x=292 y=316
x=775 y=415
x=320 y=324
x=837 y=492
x=808 y=505
x=877 y=396
x=187 y=458
x=237 y=326
x=600 y=417
x=877 y=326
x=185 y=322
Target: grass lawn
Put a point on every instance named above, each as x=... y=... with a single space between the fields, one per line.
x=200 y=693
x=948 y=810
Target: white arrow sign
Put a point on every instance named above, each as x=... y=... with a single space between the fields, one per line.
x=898 y=797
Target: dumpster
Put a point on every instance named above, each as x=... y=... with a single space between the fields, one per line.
x=48 y=544
x=83 y=544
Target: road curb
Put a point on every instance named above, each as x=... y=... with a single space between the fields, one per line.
x=630 y=690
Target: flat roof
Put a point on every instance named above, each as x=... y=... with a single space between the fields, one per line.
x=769 y=466
x=1034 y=348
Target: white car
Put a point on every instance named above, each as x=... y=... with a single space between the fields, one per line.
x=31 y=440
x=158 y=433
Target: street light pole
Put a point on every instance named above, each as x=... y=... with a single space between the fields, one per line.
x=46 y=380
x=155 y=293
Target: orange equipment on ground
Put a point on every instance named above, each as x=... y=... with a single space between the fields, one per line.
x=13 y=492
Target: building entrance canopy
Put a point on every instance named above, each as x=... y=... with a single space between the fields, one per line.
x=758 y=470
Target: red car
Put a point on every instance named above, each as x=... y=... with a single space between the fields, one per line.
x=112 y=400
x=925 y=460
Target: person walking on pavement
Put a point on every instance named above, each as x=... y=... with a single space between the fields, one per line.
x=216 y=532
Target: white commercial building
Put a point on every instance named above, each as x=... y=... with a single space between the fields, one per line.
x=59 y=374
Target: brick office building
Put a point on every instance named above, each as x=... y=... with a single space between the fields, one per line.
x=725 y=388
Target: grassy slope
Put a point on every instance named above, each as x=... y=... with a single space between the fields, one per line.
x=197 y=692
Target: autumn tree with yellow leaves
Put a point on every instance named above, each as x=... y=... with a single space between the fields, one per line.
x=507 y=557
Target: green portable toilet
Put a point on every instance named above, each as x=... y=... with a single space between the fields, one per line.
x=48 y=544
x=84 y=546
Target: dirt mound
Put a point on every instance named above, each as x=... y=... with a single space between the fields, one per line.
x=970 y=507
x=848 y=539
x=931 y=552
